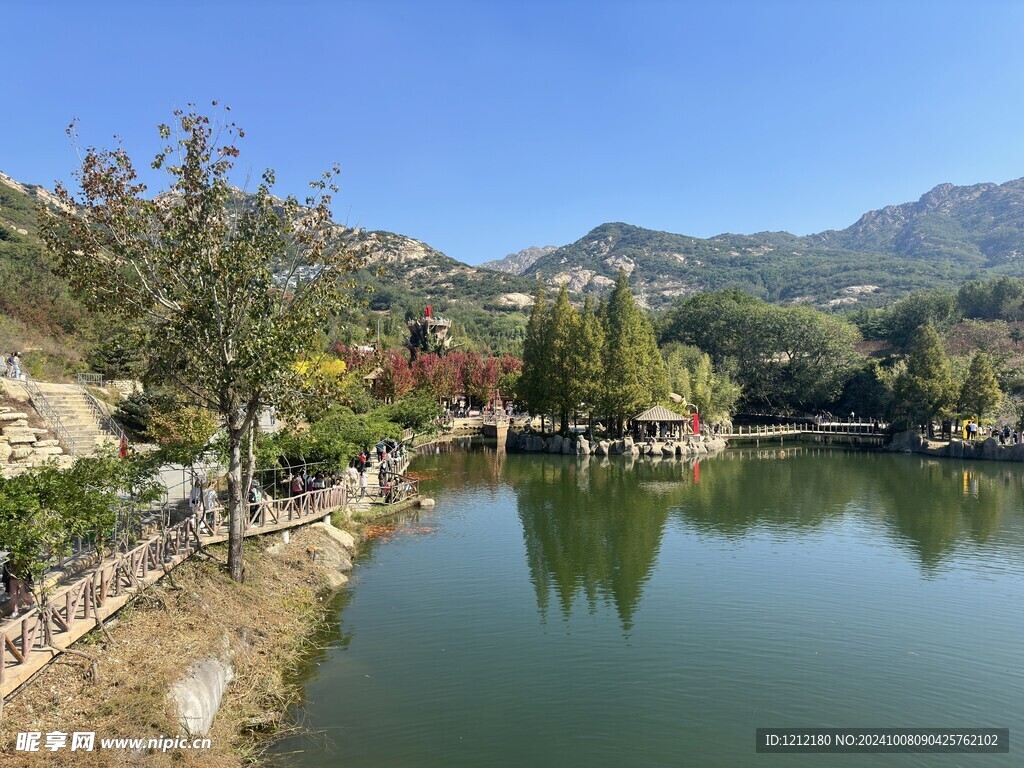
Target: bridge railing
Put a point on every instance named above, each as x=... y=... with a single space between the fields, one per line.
x=90 y=379
x=29 y=641
x=810 y=428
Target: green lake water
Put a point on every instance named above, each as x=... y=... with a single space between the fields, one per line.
x=554 y=611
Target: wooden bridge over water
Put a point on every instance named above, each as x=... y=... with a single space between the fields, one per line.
x=869 y=431
x=29 y=642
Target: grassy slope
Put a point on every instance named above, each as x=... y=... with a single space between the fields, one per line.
x=39 y=315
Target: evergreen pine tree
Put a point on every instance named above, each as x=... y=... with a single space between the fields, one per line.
x=635 y=375
x=534 y=386
x=926 y=388
x=980 y=394
x=563 y=376
x=588 y=347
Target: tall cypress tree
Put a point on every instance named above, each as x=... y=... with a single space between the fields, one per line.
x=588 y=348
x=980 y=394
x=926 y=388
x=563 y=358
x=634 y=373
x=534 y=382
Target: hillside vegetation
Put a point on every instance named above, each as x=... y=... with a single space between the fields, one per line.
x=948 y=237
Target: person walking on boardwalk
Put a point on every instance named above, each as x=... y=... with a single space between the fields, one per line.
x=362 y=484
x=254 y=501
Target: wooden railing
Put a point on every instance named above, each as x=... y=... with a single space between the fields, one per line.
x=29 y=642
x=402 y=488
x=808 y=428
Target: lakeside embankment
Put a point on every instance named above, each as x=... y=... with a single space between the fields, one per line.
x=986 y=450
x=262 y=630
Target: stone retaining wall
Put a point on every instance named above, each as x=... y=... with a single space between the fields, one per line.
x=23 y=446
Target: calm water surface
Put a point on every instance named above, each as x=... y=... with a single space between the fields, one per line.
x=560 y=612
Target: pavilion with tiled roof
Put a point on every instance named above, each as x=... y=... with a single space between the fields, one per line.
x=659 y=421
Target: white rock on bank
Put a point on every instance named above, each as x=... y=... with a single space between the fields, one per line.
x=197 y=698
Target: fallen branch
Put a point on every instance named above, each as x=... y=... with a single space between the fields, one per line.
x=94 y=663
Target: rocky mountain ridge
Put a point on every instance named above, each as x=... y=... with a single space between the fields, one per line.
x=519 y=263
x=949 y=235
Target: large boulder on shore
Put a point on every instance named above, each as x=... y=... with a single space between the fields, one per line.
x=568 y=446
x=197 y=697
x=990 y=449
x=602 y=448
x=716 y=444
x=555 y=444
x=536 y=444
x=907 y=442
x=582 y=447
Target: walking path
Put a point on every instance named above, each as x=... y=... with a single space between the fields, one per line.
x=753 y=431
x=373 y=496
x=30 y=642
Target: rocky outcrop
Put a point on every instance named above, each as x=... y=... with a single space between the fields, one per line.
x=986 y=450
x=337 y=554
x=23 y=446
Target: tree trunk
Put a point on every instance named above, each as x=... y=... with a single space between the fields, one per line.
x=565 y=422
x=235 y=509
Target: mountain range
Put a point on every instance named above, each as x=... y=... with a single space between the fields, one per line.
x=948 y=236
x=951 y=234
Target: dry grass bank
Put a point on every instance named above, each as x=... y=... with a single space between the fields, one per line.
x=270 y=621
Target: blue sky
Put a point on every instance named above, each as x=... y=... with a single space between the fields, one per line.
x=485 y=127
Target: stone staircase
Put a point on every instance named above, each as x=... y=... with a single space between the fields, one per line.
x=76 y=413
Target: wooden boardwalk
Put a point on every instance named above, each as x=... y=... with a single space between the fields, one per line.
x=837 y=428
x=29 y=642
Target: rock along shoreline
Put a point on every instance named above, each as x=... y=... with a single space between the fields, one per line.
x=985 y=450
x=690 y=445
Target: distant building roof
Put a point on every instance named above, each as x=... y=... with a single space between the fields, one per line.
x=660 y=413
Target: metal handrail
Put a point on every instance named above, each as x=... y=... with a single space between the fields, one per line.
x=90 y=379
x=105 y=421
x=45 y=409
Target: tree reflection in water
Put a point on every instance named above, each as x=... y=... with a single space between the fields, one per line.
x=592 y=527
